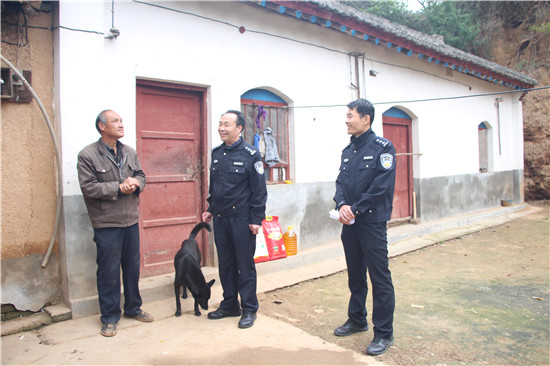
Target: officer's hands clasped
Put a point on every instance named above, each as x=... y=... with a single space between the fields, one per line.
x=346 y=215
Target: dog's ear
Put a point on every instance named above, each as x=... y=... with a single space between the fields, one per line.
x=211 y=283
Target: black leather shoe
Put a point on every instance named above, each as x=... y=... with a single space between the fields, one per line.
x=379 y=345
x=221 y=313
x=247 y=320
x=350 y=327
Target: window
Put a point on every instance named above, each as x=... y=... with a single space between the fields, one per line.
x=262 y=110
x=485 y=147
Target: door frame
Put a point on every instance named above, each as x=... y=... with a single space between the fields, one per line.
x=207 y=258
x=407 y=122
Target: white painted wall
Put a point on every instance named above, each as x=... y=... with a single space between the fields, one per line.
x=98 y=73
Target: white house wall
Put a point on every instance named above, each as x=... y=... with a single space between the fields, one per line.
x=165 y=45
x=96 y=73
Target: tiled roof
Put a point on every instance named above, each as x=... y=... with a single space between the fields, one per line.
x=343 y=18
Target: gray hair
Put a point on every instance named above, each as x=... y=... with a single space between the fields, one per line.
x=101 y=117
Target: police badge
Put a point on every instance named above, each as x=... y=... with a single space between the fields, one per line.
x=259 y=166
x=386 y=160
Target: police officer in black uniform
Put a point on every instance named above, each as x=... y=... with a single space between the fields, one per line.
x=364 y=196
x=237 y=199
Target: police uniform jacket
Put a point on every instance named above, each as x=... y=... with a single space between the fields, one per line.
x=367 y=177
x=100 y=176
x=237 y=182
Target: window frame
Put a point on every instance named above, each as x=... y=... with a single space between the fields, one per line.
x=487 y=149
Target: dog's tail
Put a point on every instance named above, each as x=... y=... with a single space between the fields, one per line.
x=197 y=228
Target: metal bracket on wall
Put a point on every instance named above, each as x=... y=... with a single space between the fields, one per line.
x=13 y=89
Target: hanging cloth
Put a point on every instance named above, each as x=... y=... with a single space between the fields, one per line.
x=261 y=115
x=271 y=153
x=261 y=145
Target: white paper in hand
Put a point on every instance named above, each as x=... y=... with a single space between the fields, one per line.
x=336 y=215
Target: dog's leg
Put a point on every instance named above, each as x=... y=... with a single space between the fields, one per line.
x=197 y=311
x=178 y=303
x=184 y=293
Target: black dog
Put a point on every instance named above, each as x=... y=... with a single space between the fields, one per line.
x=187 y=263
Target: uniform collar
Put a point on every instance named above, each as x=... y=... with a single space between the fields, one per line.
x=234 y=145
x=358 y=141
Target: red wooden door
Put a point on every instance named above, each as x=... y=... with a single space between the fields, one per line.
x=398 y=131
x=170 y=143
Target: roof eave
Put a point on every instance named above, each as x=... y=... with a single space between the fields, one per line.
x=371 y=28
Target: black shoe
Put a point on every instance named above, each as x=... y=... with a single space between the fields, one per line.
x=379 y=345
x=247 y=320
x=141 y=316
x=108 y=330
x=221 y=313
x=349 y=328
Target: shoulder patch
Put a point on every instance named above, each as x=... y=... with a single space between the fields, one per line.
x=386 y=160
x=381 y=141
x=250 y=150
x=259 y=166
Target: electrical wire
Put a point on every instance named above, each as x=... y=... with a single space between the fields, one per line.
x=187 y=13
x=77 y=30
x=25 y=25
x=313 y=45
x=50 y=29
x=425 y=100
x=297 y=41
x=251 y=31
x=57 y=158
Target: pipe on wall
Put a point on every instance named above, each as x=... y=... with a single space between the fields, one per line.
x=57 y=159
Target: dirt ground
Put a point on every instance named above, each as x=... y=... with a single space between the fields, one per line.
x=479 y=299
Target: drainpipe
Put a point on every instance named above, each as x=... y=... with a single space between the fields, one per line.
x=57 y=159
x=497 y=102
x=357 y=85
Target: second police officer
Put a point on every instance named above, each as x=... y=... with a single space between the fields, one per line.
x=364 y=198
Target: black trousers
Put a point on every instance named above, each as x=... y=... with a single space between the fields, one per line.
x=366 y=248
x=235 y=246
x=117 y=247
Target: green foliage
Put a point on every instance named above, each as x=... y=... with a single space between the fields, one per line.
x=455 y=21
x=467 y=25
x=542 y=29
x=394 y=10
x=524 y=65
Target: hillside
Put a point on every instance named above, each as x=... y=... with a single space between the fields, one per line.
x=515 y=34
x=520 y=47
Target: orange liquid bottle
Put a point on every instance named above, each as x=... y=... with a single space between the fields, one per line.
x=291 y=241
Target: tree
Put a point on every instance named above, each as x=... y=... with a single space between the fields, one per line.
x=466 y=25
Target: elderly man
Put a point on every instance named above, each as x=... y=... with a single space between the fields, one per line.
x=111 y=180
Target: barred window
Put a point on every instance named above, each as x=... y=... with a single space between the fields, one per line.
x=261 y=115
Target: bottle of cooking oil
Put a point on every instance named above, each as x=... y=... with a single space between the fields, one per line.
x=291 y=241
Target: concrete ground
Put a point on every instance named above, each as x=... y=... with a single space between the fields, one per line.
x=198 y=341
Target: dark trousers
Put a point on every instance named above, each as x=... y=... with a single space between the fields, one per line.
x=366 y=248
x=235 y=245
x=117 y=247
